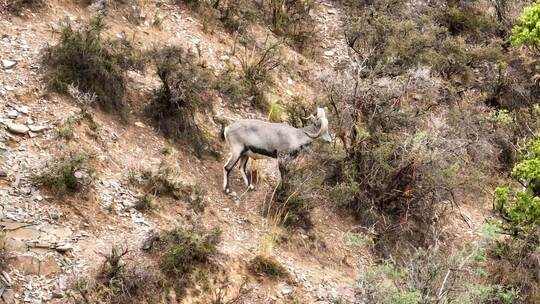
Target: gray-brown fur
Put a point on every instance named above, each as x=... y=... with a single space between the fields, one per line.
x=253 y=138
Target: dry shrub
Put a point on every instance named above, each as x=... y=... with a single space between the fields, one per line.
x=290 y=203
x=256 y=65
x=67 y=174
x=119 y=282
x=266 y=266
x=292 y=20
x=183 y=95
x=17 y=6
x=92 y=63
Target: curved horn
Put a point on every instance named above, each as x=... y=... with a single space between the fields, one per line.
x=322 y=129
x=309 y=117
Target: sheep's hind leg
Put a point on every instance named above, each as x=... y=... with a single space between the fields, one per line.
x=243 y=168
x=235 y=156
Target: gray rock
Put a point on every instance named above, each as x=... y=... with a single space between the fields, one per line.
x=17 y=128
x=9 y=296
x=64 y=248
x=12 y=114
x=8 y=64
x=36 y=128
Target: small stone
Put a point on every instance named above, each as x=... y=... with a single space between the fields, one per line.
x=8 y=64
x=140 y=124
x=9 y=296
x=37 y=129
x=64 y=248
x=286 y=290
x=25 y=190
x=23 y=109
x=6 y=278
x=13 y=114
x=17 y=128
x=329 y=53
x=3 y=174
x=78 y=174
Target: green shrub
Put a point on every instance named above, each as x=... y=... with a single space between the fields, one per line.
x=275 y=114
x=183 y=94
x=520 y=208
x=65 y=130
x=527 y=31
x=184 y=249
x=265 y=266
x=94 y=64
x=469 y=20
x=71 y=173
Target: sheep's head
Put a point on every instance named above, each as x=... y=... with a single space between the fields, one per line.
x=322 y=122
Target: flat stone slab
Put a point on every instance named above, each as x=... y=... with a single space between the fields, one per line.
x=18 y=128
x=8 y=64
x=31 y=265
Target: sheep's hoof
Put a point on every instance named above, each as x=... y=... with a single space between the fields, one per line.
x=251 y=187
x=227 y=190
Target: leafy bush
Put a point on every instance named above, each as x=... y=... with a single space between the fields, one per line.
x=71 y=173
x=183 y=94
x=94 y=64
x=527 y=32
x=521 y=207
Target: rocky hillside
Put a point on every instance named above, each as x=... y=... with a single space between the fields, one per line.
x=112 y=167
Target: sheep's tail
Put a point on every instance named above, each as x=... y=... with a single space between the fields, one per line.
x=222 y=132
x=223 y=123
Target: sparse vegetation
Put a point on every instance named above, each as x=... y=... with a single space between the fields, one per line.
x=17 y=6
x=256 y=67
x=119 y=282
x=163 y=182
x=145 y=202
x=65 y=130
x=70 y=173
x=267 y=266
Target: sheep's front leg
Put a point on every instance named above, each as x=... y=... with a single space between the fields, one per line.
x=235 y=156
